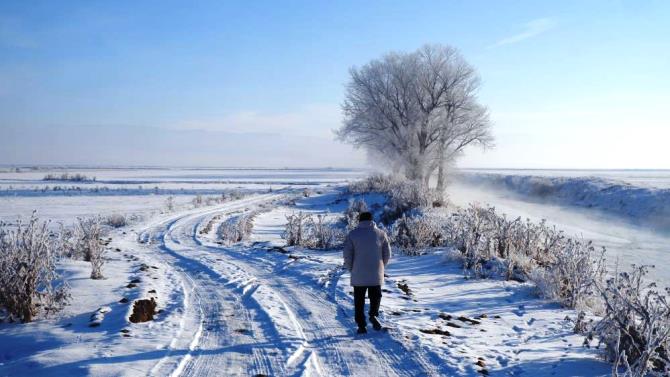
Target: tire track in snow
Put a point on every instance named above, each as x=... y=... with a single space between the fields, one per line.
x=208 y=284
x=302 y=360
x=328 y=324
x=182 y=354
x=311 y=336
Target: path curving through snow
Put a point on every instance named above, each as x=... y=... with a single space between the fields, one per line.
x=245 y=313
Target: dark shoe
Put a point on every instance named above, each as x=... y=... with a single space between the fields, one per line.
x=375 y=323
x=362 y=330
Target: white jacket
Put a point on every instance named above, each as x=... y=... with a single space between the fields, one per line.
x=366 y=252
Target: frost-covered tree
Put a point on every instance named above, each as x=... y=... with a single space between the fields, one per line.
x=415 y=111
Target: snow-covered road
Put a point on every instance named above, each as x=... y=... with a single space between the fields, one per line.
x=246 y=314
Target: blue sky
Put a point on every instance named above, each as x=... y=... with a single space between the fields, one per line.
x=570 y=84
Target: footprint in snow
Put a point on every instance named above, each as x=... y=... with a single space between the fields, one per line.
x=520 y=311
x=503 y=361
x=531 y=321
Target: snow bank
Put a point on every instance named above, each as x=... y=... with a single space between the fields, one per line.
x=644 y=205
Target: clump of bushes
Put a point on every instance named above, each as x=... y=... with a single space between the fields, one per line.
x=169 y=203
x=322 y=234
x=29 y=282
x=68 y=177
x=635 y=327
x=310 y=231
x=490 y=244
x=403 y=196
x=295 y=232
x=574 y=274
x=84 y=241
x=116 y=221
x=413 y=234
x=237 y=228
x=200 y=200
x=89 y=244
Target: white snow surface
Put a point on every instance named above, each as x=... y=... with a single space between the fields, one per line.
x=141 y=191
x=254 y=309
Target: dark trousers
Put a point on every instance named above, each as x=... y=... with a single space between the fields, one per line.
x=375 y=294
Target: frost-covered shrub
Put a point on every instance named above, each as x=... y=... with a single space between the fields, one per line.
x=503 y=232
x=469 y=231
x=373 y=183
x=492 y=245
x=403 y=195
x=413 y=234
x=89 y=246
x=29 y=282
x=237 y=228
x=235 y=195
x=410 y=195
x=169 y=203
x=68 y=177
x=306 y=231
x=635 y=328
x=321 y=234
x=116 y=221
x=197 y=201
x=295 y=230
x=572 y=277
x=67 y=243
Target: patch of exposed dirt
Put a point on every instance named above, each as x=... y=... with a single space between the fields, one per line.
x=445 y=316
x=468 y=320
x=436 y=332
x=402 y=285
x=143 y=311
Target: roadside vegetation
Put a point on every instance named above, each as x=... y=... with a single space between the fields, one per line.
x=31 y=285
x=632 y=316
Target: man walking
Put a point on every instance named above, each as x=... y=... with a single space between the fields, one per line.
x=366 y=253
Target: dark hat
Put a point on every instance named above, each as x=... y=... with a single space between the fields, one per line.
x=365 y=216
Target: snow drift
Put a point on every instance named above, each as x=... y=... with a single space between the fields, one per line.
x=643 y=205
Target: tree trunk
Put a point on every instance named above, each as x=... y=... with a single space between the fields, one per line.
x=441 y=178
x=27 y=315
x=415 y=171
x=426 y=178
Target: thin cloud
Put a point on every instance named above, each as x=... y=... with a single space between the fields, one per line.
x=530 y=29
x=312 y=120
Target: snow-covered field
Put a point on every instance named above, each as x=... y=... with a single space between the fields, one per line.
x=255 y=309
x=141 y=191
